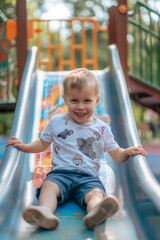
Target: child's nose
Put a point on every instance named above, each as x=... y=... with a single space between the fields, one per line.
x=80 y=106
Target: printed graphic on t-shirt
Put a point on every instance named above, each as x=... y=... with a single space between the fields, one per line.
x=66 y=120
x=103 y=129
x=56 y=149
x=65 y=133
x=86 y=145
x=77 y=160
x=90 y=146
x=97 y=136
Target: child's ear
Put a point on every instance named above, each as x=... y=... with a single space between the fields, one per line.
x=97 y=101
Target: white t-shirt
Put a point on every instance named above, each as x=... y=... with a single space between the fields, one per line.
x=77 y=146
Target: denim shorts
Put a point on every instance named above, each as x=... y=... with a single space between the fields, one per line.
x=74 y=184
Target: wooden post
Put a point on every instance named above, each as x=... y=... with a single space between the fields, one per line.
x=21 y=38
x=118 y=32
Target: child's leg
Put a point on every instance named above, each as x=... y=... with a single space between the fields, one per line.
x=48 y=196
x=99 y=208
x=42 y=215
x=93 y=198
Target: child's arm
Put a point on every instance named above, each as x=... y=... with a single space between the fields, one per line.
x=35 y=147
x=121 y=155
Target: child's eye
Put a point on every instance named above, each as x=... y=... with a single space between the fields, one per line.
x=74 y=100
x=87 y=100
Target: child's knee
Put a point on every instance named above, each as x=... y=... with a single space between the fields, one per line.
x=95 y=193
x=52 y=187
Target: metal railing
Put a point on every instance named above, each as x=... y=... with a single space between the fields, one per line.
x=144 y=44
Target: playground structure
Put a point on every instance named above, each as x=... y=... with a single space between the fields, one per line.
x=144 y=73
x=40 y=97
x=141 y=70
x=55 y=42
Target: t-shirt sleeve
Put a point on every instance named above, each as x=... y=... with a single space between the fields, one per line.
x=47 y=134
x=109 y=143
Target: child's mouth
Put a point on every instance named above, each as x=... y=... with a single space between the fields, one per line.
x=80 y=114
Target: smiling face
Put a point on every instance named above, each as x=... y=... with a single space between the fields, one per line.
x=81 y=103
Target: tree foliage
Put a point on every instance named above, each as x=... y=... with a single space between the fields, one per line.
x=8 y=8
x=86 y=8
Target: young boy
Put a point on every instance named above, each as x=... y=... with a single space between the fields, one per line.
x=78 y=139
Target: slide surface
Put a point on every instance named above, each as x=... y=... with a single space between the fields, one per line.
x=132 y=182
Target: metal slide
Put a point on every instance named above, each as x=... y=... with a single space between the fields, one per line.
x=132 y=182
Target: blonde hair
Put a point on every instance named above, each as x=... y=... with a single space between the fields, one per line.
x=80 y=77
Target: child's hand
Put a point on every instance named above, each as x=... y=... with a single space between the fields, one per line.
x=16 y=143
x=135 y=151
x=121 y=155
